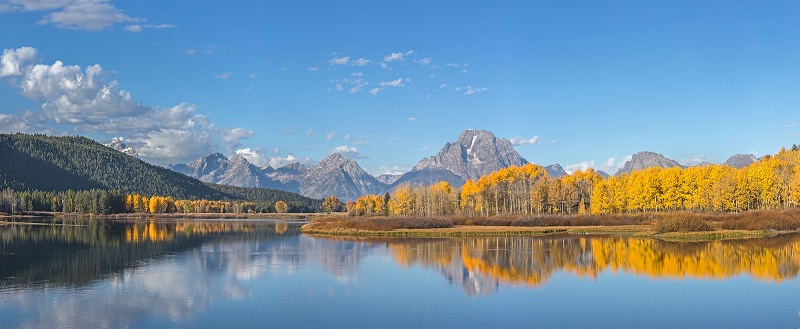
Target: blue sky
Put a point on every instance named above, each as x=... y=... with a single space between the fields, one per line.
x=580 y=83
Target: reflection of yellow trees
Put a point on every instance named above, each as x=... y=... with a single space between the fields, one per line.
x=151 y=231
x=718 y=259
x=156 y=232
x=531 y=261
x=281 y=228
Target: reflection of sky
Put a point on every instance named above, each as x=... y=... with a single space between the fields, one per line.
x=298 y=281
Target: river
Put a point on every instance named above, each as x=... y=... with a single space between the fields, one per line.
x=257 y=274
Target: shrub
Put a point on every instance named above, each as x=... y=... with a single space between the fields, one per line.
x=681 y=223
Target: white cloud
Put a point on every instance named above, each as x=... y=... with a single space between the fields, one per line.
x=391 y=170
x=361 y=62
x=693 y=160
x=525 y=141
x=330 y=135
x=310 y=133
x=357 y=74
x=233 y=136
x=339 y=61
x=411 y=119
x=624 y=160
x=312 y=69
x=358 y=87
x=258 y=157
x=88 y=16
x=397 y=56
x=348 y=151
x=375 y=91
x=609 y=163
x=395 y=83
x=136 y=28
x=424 y=61
x=253 y=75
x=579 y=166
x=224 y=76
x=346 y=137
x=393 y=57
x=472 y=90
x=13 y=59
x=83 y=102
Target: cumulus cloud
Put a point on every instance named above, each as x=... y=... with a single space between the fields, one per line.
x=339 y=60
x=579 y=166
x=348 y=151
x=393 y=57
x=83 y=101
x=13 y=59
x=525 y=141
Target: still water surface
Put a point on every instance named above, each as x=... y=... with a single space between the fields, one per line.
x=228 y=274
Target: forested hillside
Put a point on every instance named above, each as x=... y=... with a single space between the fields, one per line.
x=30 y=163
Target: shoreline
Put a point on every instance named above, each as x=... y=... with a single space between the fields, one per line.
x=463 y=231
x=144 y=216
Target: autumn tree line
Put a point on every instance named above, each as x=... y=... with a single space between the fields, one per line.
x=772 y=183
x=96 y=201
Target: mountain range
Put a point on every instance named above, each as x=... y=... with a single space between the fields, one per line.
x=475 y=153
x=58 y=164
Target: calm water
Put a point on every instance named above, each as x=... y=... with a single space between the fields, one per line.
x=224 y=274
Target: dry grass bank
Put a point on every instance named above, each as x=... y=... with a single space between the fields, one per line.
x=678 y=226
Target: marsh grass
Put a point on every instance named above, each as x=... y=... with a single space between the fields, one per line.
x=669 y=225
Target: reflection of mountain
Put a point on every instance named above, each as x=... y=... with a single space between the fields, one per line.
x=477 y=264
x=79 y=253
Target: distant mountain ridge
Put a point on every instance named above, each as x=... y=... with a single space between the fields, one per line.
x=48 y=163
x=475 y=153
x=741 y=160
x=643 y=160
x=341 y=177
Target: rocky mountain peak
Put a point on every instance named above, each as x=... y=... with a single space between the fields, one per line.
x=474 y=154
x=741 y=160
x=339 y=176
x=643 y=160
x=118 y=143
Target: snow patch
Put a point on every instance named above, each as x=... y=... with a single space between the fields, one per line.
x=469 y=150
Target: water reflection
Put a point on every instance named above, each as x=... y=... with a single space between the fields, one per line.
x=157 y=274
x=479 y=264
x=74 y=253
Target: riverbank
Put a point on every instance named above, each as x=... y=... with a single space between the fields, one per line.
x=679 y=226
x=145 y=216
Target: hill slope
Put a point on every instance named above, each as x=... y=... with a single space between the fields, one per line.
x=44 y=163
